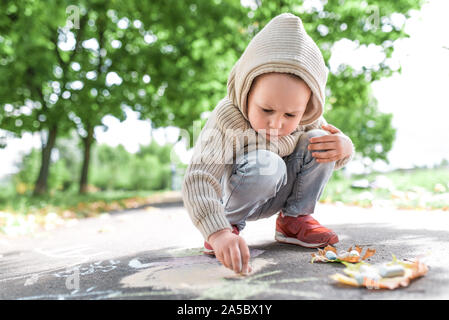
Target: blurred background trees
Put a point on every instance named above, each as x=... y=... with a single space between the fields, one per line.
x=64 y=66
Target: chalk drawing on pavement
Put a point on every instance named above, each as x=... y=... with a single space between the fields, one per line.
x=179 y=272
x=103 y=266
x=206 y=278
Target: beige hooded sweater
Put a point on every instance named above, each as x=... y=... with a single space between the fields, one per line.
x=281 y=46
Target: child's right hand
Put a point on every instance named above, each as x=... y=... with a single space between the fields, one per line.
x=231 y=250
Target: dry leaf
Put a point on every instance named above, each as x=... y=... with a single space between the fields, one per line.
x=369 y=253
x=348 y=256
x=356 y=278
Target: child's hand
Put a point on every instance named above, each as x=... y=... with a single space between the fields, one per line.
x=231 y=250
x=336 y=145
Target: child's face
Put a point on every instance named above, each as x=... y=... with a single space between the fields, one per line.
x=276 y=103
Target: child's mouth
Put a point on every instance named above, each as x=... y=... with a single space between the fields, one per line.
x=267 y=135
x=272 y=136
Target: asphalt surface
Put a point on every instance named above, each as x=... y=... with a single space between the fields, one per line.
x=155 y=253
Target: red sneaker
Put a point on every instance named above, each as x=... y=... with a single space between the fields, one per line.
x=208 y=248
x=304 y=231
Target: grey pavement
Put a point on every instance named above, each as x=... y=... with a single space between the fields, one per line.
x=155 y=253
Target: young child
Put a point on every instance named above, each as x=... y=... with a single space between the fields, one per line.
x=266 y=147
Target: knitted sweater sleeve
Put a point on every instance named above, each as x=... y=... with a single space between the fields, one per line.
x=201 y=189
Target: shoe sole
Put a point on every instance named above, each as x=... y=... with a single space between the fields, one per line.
x=281 y=238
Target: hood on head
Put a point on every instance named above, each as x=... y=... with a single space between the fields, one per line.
x=281 y=46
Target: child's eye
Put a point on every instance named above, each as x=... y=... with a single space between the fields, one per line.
x=288 y=115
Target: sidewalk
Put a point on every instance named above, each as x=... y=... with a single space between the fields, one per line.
x=155 y=253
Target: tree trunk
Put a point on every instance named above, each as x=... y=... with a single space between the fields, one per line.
x=87 y=142
x=41 y=183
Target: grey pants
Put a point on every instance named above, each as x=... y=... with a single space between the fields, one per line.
x=262 y=183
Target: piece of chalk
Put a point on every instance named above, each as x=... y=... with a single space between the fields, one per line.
x=354 y=253
x=391 y=271
x=331 y=255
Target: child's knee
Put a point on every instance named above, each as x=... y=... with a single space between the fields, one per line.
x=304 y=142
x=270 y=168
x=268 y=163
x=316 y=133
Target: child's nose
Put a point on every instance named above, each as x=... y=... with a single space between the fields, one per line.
x=275 y=123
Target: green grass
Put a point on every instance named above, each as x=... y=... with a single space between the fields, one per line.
x=60 y=201
x=425 y=178
x=415 y=183
x=25 y=214
x=338 y=189
x=411 y=189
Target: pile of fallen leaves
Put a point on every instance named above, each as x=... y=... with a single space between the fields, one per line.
x=391 y=275
x=359 y=273
x=329 y=254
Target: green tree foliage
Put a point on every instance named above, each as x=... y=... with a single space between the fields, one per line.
x=60 y=178
x=116 y=168
x=28 y=170
x=160 y=50
x=350 y=104
x=33 y=74
x=65 y=162
x=172 y=58
x=113 y=168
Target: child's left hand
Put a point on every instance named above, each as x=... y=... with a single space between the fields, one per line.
x=335 y=146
